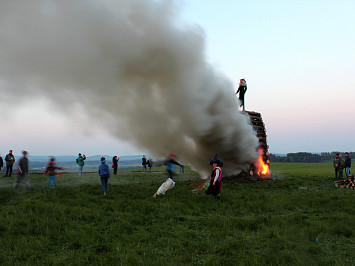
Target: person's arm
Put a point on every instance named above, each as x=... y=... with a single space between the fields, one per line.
x=216 y=176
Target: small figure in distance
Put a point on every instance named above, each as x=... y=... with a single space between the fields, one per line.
x=341 y=166
x=51 y=171
x=10 y=160
x=22 y=171
x=115 y=160
x=104 y=172
x=336 y=165
x=347 y=165
x=80 y=161
x=1 y=162
x=216 y=177
x=144 y=163
x=242 y=89
x=150 y=164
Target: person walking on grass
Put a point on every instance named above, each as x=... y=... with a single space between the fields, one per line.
x=80 y=161
x=10 y=160
x=51 y=171
x=104 y=172
x=216 y=177
x=115 y=160
x=144 y=163
x=347 y=164
x=22 y=171
x=341 y=166
x=336 y=165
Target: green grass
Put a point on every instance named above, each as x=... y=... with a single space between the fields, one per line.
x=271 y=223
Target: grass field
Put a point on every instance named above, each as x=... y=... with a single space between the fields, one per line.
x=300 y=218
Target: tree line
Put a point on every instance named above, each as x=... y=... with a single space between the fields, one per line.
x=306 y=157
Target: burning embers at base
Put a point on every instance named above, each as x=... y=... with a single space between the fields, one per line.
x=261 y=167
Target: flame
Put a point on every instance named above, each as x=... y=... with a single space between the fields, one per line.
x=263 y=168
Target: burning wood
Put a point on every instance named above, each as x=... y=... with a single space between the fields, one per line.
x=347 y=183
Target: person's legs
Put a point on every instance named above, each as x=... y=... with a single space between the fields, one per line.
x=17 y=181
x=7 y=170
x=340 y=170
x=81 y=170
x=27 y=182
x=347 y=171
x=115 y=170
x=52 y=180
x=104 y=184
x=336 y=172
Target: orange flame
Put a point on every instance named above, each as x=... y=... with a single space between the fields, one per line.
x=263 y=168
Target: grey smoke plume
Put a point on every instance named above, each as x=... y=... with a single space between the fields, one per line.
x=130 y=65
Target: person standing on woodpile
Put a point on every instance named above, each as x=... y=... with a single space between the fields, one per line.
x=22 y=171
x=336 y=165
x=216 y=177
x=242 y=89
x=115 y=160
x=341 y=166
x=347 y=164
x=10 y=160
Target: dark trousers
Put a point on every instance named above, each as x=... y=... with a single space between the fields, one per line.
x=114 y=170
x=104 y=180
x=336 y=172
x=9 y=170
x=340 y=171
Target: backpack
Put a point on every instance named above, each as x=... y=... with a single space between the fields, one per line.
x=77 y=161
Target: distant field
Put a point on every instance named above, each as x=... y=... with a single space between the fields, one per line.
x=300 y=218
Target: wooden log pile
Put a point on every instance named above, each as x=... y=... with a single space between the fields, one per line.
x=347 y=183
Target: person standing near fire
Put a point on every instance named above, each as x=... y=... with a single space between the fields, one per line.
x=341 y=166
x=214 y=187
x=336 y=165
x=347 y=164
x=242 y=89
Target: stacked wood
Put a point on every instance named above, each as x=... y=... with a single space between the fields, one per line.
x=347 y=183
x=256 y=121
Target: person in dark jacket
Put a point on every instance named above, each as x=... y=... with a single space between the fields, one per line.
x=242 y=89
x=347 y=164
x=150 y=163
x=144 y=163
x=216 y=177
x=1 y=162
x=22 y=171
x=51 y=171
x=115 y=160
x=336 y=165
x=104 y=172
x=341 y=166
x=10 y=160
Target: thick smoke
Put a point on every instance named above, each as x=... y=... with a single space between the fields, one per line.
x=129 y=65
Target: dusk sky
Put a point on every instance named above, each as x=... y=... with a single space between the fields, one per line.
x=298 y=59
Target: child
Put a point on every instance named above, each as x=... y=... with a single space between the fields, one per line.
x=216 y=178
x=51 y=171
x=104 y=172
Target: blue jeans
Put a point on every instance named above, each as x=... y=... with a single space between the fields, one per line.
x=104 y=179
x=81 y=170
x=52 y=178
x=347 y=171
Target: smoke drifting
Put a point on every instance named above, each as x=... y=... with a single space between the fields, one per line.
x=130 y=66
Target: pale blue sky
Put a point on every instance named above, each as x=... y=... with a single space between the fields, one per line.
x=298 y=58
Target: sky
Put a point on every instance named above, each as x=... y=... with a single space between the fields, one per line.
x=298 y=58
